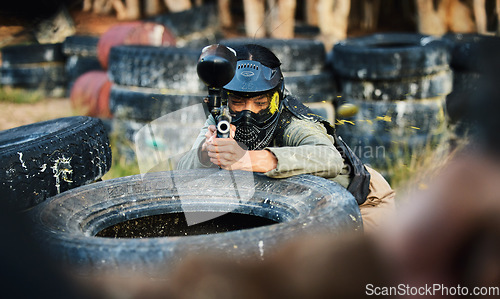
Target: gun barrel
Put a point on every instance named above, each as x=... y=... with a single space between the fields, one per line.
x=224 y=123
x=223 y=129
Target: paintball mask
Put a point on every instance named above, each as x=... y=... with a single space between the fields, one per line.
x=252 y=79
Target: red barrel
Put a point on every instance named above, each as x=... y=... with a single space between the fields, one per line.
x=103 y=110
x=90 y=94
x=133 y=33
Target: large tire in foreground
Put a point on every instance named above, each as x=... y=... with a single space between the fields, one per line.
x=40 y=160
x=67 y=224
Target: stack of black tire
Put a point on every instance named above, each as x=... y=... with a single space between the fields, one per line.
x=35 y=67
x=81 y=53
x=193 y=28
x=470 y=64
x=49 y=68
x=303 y=63
x=399 y=82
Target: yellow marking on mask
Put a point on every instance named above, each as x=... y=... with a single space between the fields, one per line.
x=273 y=105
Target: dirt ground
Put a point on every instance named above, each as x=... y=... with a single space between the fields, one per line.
x=15 y=115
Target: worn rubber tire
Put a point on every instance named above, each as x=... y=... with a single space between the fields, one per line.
x=81 y=52
x=394 y=117
x=34 y=53
x=387 y=154
x=48 y=75
x=468 y=50
x=296 y=55
x=147 y=104
x=312 y=86
x=198 y=20
x=460 y=102
x=80 y=45
x=48 y=78
x=77 y=65
x=305 y=204
x=155 y=67
x=386 y=56
x=33 y=156
x=424 y=87
x=306 y=31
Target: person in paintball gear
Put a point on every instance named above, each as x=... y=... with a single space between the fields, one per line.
x=273 y=133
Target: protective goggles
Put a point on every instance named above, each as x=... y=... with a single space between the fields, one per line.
x=254 y=77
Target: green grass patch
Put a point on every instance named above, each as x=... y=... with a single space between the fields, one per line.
x=19 y=95
x=126 y=164
x=410 y=173
x=120 y=166
x=416 y=163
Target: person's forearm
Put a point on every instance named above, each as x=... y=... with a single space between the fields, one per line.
x=262 y=161
x=324 y=161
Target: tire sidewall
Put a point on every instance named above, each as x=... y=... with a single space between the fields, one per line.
x=311 y=204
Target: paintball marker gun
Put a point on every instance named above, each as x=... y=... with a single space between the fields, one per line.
x=216 y=67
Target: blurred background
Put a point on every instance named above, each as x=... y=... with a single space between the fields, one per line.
x=406 y=82
x=398 y=123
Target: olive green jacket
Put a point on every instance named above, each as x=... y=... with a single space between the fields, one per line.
x=306 y=149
